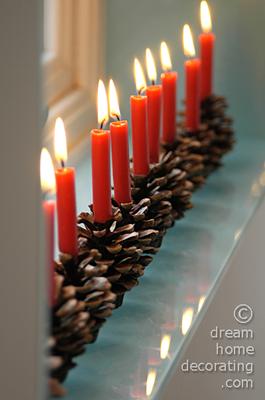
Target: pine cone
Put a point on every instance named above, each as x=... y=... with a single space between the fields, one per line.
x=70 y=331
x=120 y=243
x=85 y=272
x=215 y=134
x=169 y=192
x=213 y=113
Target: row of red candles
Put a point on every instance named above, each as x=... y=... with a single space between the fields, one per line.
x=146 y=113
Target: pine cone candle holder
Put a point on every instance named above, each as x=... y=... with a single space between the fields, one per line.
x=120 y=243
x=215 y=134
x=205 y=149
x=70 y=331
x=85 y=273
x=191 y=160
x=213 y=113
x=169 y=192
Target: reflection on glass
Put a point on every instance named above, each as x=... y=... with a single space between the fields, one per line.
x=164 y=346
x=262 y=179
x=201 y=302
x=237 y=234
x=255 y=189
x=187 y=317
x=150 y=381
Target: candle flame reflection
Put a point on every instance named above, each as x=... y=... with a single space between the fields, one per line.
x=150 y=66
x=47 y=177
x=150 y=381
x=187 y=317
x=165 y=346
x=188 y=44
x=139 y=77
x=60 y=145
x=201 y=302
x=206 y=21
x=114 y=108
x=102 y=104
x=165 y=57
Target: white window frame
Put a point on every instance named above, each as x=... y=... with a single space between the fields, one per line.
x=72 y=70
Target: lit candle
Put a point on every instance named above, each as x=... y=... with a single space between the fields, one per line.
x=192 y=75
x=169 y=95
x=48 y=187
x=100 y=147
x=206 y=40
x=153 y=93
x=139 y=124
x=65 y=191
x=120 y=150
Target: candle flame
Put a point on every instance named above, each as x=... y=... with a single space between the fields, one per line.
x=102 y=102
x=165 y=57
x=164 y=346
x=187 y=317
x=188 y=44
x=60 y=145
x=150 y=381
x=114 y=108
x=47 y=177
x=206 y=20
x=150 y=65
x=139 y=77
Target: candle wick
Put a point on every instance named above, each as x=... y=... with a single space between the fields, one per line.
x=102 y=124
x=141 y=90
x=118 y=117
x=153 y=82
x=62 y=164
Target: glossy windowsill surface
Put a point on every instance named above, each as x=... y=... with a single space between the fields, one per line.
x=143 y=339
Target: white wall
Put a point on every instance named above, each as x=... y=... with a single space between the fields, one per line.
x=21 y=266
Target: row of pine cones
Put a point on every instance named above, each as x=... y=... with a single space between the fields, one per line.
x=113 y=256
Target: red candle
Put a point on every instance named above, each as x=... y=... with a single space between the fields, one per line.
x=65 y=191
x=120 y=150
x=169 y=96
x=154 y=120
x=48 y=206
x=192 y=84
x=139 y=124
x=154 y=94
x=100 y=147
x=206 y=40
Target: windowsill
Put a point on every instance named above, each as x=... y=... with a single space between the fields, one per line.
x=187 y=270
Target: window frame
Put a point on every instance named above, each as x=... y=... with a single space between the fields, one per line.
x=71 y=72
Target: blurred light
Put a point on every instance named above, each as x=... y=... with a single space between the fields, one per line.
x=201 y=302
x=150 y=381
x=165 y=346
x=187 y=317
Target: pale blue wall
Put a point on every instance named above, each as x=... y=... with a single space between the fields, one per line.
x=240 y=49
